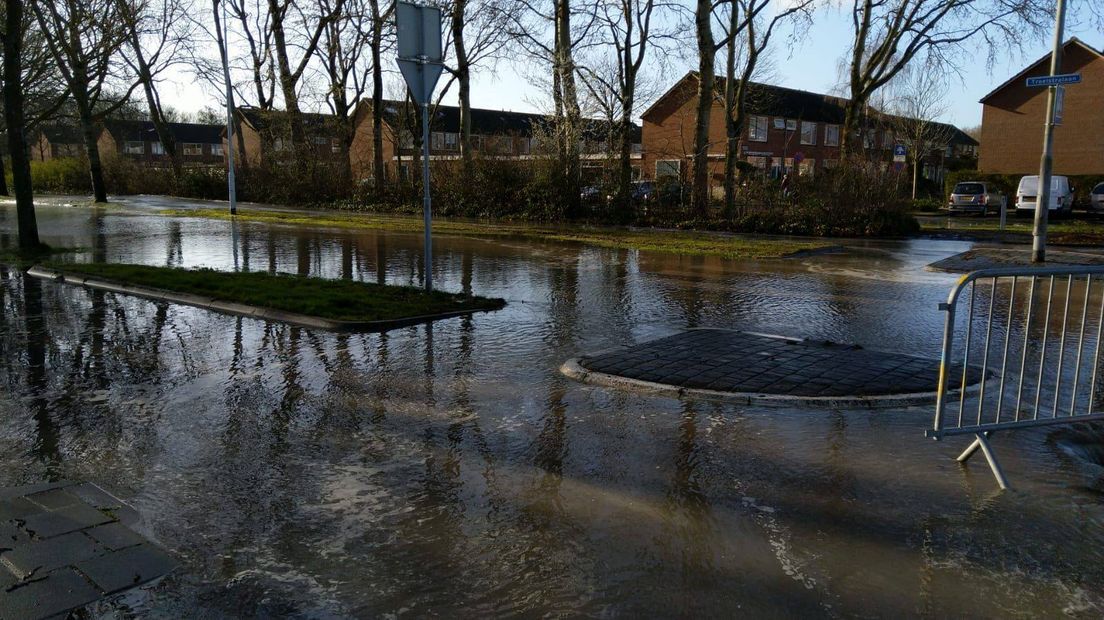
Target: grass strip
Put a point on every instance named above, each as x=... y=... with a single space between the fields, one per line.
x=675 y=242
x=342 y=300
x=1061 y=232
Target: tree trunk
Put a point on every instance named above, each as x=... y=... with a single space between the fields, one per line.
x=92 y=148
x=164 y=135
x=13 y=116
x=706 y=52
x=624 y=184
x=378 y=171
x=3 y=179
x=915 y=174
x=287 y=80
x=732 y=152
x=463 y=81
x=570 y=102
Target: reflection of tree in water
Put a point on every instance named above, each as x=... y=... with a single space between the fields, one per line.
x=175 y=254
x=46 y=431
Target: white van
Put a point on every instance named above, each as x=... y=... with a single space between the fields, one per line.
x=1061 y=195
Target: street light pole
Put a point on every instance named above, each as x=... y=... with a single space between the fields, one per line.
x=1042 y=198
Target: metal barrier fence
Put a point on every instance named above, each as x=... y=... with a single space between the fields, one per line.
x=1037 y=360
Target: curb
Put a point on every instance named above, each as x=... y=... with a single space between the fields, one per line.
x=229 y=307
x=574 y=369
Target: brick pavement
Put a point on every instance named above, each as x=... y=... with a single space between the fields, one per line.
x=738 y=362
x=64 y=545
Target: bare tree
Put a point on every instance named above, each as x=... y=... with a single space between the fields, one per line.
x=919 y=98
x=254 y=25
x=345 y=65
x=380 y=38
x=15 y=27
x=157 y=34
x=753 y=33
x=625 y=31
x=84 y=39
x=889 y=34
x=478 y=32
x=529 y=26
x=285 y=15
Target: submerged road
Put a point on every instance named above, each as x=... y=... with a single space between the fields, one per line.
x=450 y=469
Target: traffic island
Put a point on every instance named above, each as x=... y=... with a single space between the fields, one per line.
x=340 y=305
x=64 y=545
x=764 y=369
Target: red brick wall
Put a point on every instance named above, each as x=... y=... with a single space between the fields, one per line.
x=1012 y=122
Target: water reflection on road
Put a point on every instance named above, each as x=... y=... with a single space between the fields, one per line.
x=451 y=469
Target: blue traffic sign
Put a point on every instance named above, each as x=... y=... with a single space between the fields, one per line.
x=1054 y=80
x=900 y=150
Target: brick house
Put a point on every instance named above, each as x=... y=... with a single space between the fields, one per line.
x=786 y=130
x=57 y=141
x=1013 y=114
x=196 y=144
x=266 y=135
x=495 y=134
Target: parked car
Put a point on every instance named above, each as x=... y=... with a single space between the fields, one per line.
x=639 y=192
x=590 y=193
x=1096 y=199
x=1061 y=195
x=975 y=197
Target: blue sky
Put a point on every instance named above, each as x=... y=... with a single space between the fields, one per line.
x=808 y=64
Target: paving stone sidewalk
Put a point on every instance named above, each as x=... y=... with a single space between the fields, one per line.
x=64 y=545
x=738 y=362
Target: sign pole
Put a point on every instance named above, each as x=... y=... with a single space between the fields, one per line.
x=426 y=201
x=1042 y=198
x=420 y=58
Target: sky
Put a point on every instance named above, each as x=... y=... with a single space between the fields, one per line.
x=810 y=63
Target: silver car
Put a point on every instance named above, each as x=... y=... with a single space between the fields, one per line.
x=1096 y=199
x=975 y=197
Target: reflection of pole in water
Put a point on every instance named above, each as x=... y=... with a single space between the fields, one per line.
x=234 y=240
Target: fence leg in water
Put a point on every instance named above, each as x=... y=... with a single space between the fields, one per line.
x=982 y=441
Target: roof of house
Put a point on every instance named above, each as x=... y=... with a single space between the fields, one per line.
x=784 y=102
x=182 y=132
x=1045 y=58
x=62 y=134
x=499 y=122
x=262 y=119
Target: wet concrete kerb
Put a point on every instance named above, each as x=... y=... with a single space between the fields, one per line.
x=989 y=257
x=764 y=369
x=229 y=307
x=64 y=545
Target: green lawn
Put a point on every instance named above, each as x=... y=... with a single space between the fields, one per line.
x=342 y=300
x=1059 y=231
x=675 y=242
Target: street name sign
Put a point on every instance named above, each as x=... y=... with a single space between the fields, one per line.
x=1054 y=80
x=900 y=153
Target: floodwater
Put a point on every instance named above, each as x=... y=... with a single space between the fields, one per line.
x=450 y=469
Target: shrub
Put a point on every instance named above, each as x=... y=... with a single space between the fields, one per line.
x=61 y=175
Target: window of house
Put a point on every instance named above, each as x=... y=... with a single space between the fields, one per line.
x=437 y=140
x=831 y=135
x=791 y=124
x=635 y=172
x=477 y=143
x=452 y=141
x=406 y=139
x=320 y=140
x=278 y=144
x=779 y=123
x=887 y=140
x=830 y=163
x=808 y=132
x=758 y=161
x=216 y=149
x=776 y=167
x=806 y=168
x=193 y=149
x=869 y=139
x=666 y=168
x=335 y=145
x=757 y=129
x=157 y=148
x=131 y=147
x=524 y=146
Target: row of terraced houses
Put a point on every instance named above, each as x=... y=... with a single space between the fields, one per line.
x=787 y=131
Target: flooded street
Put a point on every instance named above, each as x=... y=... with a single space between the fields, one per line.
x=450 y=469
